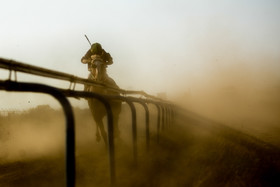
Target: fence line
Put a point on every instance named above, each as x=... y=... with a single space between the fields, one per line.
x=39 y=71
x=165 y=110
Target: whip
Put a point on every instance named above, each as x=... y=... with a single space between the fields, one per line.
x=88 y=40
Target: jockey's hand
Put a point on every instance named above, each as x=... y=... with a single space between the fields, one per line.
x=109 y=62
x=86 y=61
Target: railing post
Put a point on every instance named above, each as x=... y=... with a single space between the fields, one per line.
x=134 y=131
x=147 y=120
x=69 y=118
x=111 y=145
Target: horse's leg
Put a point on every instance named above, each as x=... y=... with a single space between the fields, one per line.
x=97 y=121
x=100 y=124
x=98 y=137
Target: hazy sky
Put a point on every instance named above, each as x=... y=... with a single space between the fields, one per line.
x=157 y=45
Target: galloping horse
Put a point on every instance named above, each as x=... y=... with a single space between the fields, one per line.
x=98 y=73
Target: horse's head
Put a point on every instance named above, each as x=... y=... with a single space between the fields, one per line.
x=97 y=68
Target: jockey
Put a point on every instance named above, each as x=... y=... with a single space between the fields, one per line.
x=96 y=49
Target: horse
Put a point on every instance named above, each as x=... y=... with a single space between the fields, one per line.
x=98 y=73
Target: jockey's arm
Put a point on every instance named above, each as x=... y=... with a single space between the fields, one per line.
x=108 y=58
x=86 y=58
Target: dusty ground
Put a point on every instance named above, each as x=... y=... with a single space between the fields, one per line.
x=193 y=152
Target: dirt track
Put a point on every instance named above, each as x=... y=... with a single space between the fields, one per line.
x=195 y=152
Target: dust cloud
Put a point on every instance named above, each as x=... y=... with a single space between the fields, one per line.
x=25 y=135
x=238 y=90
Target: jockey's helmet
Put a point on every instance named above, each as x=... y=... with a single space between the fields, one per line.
x=96 y=48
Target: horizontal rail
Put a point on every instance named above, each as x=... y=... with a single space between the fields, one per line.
x=13 y=65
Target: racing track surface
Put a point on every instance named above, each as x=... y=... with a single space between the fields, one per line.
x=194 y=152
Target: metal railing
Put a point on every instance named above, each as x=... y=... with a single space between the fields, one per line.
x=165 y=110
x=69 y=118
